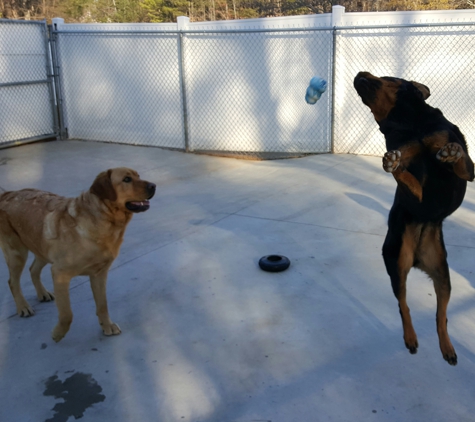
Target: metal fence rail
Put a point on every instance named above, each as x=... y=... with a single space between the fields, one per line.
x=27 y=109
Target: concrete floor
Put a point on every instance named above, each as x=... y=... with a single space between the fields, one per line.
x=209 y=337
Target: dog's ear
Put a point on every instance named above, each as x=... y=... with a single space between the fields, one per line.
x=102 y=186
x=424 y=90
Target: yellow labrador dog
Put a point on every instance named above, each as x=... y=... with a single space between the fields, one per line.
x=77 y=236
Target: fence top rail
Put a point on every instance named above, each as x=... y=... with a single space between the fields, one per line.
x=25 y=22
x=118 y=31
x=407 y=25
x=196 y=31
x=265 y=30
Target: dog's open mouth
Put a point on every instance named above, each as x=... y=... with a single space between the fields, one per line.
x=137 y=206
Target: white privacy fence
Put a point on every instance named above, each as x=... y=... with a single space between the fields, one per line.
x=238 y=87
x=121 y=87
x=245 y=91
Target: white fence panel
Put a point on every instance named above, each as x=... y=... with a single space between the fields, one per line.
x=26 y=95
x=121 y=86
x=246 y=91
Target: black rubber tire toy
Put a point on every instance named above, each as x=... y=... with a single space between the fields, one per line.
x=274 y=263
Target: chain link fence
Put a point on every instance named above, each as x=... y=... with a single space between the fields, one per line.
x=233 y=93
x=438 y=56
x=246 y=92
x=224 y=91
x=121 y=87
x=27 y=109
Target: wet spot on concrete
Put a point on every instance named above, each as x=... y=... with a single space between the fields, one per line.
x=79 y=392
x=43 y=346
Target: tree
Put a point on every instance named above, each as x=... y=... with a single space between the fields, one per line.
x=165 y=10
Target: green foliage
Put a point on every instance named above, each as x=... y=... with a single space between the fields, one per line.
x=153 y=10
x=173 y=8
x=248 y=13
x=165 y=10
x=128 y=11
x=77 y=7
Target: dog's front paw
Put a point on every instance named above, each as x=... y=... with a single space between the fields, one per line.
x=24 y=309
x=111 y=329
x=391 y=160
x=450 y=153
x=58 y=333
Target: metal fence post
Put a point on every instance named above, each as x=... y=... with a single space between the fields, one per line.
x=63 y=132
x=337 y=15
x=182 y=21
x=50 y=76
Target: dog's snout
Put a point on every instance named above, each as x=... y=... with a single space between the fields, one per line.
x=362 y=80
x=359 y=81
x=367 y=86
x=151 y=188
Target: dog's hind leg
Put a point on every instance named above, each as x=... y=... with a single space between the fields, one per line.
x=398 y=253
x=431 y=257
x=16 y=254
x=35 y=271
x=16 y=260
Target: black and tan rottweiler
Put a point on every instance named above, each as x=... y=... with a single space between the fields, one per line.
x=428 y=157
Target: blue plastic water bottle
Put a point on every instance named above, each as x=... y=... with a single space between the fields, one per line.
x=316 y=88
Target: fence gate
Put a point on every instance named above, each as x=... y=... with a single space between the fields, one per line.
x=27 y=105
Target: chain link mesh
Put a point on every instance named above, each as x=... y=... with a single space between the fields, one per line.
x=440 y=57
x=122 y=88
x=232 y=92
x=25 y=92
x=245 y=92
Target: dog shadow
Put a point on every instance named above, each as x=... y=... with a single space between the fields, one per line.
x=368 y=202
